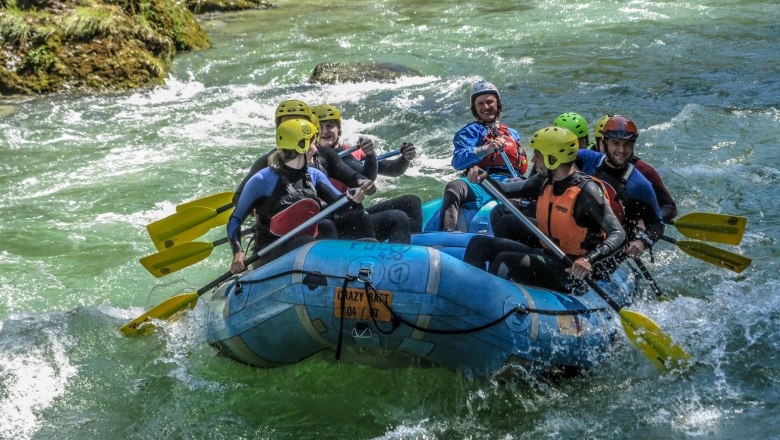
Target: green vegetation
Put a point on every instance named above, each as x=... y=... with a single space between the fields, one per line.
x=13 y=26
x=90 y=21
x=52 y=45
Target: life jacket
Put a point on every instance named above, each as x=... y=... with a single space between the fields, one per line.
x=357 y=154
x=555 y=216
x=266 y=211
x=293 y=216
x=512 y=148
x=339 y=185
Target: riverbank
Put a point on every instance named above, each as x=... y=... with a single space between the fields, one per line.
x=98 y=45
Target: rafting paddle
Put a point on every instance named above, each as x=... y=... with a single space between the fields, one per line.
x=712 y=254
x=707 y=226
x=175 y=304
x=213 y=201
x=184 y=255
x=649 y=277
x=644 y=333
x=187 y=225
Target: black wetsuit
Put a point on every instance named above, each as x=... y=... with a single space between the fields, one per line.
x=411 y=205
x=535 y=266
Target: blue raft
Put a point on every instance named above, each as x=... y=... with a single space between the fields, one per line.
x=380 y=303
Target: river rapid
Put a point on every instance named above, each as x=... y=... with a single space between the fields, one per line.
x=82 y=175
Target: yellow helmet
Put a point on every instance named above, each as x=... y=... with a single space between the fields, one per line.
x=293 y=107
x=327 y=112
x=557 y=142
x=600 y=123
x=295 y=134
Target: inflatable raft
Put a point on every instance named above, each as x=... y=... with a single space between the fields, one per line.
x=378 y=302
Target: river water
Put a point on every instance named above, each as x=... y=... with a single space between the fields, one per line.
x=82 y=175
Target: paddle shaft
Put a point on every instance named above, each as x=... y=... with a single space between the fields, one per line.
x=277 y=243
x=546 y=240
x=508 y=163
x=649 y=277
x=348 y=151
x=388 y=155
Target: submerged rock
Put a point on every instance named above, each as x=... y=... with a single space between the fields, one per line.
x=330 y=73
x=203 y=6
x=56 y=45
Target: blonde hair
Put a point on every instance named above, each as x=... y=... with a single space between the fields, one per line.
x=281 y=157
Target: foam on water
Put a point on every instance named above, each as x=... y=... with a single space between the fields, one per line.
x=35 y=371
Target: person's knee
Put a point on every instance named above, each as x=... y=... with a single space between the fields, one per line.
x=456 y=188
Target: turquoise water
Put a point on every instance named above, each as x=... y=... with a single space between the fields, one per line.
x=82 y=175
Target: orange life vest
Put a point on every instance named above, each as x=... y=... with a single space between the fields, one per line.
x=512 y=148
x=555 y=215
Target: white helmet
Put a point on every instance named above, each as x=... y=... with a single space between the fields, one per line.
x=483 y=87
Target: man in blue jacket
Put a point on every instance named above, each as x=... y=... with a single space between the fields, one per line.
x=483 y=144
x=632 y=196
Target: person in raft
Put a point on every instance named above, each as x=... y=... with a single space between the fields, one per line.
x=665 y=200
x=479 y=145
x=364 y=162
x=571 y=209
x=328 y=163
x=634 y=201
x=353 y=225
x=575 y=123
x=275 y=194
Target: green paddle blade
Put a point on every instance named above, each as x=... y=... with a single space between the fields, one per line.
x=212 y=201
x=719 y=228
x=142 y=325
x=176 y=258
x=182 y=227
x=713 y=255
x=652 y=341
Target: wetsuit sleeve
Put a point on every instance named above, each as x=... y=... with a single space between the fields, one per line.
x=259 y=186
x=337 y=169
x=640 y=191
x=393 y=167
x=592 y=211
x=326 y=191
x=259 y=164
x=665 y=201
x=369 y=167
x=465 y=141
x=529 y=188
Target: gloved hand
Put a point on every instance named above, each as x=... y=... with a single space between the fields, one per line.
x=408 y=151
x=367 y=186
x=367 y=145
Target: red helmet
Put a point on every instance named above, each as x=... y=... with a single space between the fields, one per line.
x=620 y=127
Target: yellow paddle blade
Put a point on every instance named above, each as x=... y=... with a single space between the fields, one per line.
x=222 y=202
x=182 y=227
x=142 y=325
x=176 y=258
x=212 y=201
x=652 y=341
x=713 y=255
x=707 y=226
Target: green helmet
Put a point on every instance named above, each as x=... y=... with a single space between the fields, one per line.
x=557 y=142
x=327 y=112
x=293 y=107
x=574 y=122
x=295 y=134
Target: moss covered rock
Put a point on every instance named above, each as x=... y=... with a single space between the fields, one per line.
x=204 y=6
x=330 y=73
x=56 y=45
